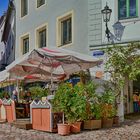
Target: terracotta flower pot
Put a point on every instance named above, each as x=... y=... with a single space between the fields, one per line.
x=75 y=127
x=107 y=122
x=63 y=129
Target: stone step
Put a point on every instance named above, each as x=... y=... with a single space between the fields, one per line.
x=2 y=120
x=22 y=124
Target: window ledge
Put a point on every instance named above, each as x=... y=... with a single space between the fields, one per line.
x=126 y=20
x=23 y=17
x=66 y=45
x=37 y=8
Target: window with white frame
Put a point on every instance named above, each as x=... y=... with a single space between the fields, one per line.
x=127 y=9
x=24 y=8
x=40 y=3
x=42 y=37
x=25 y=44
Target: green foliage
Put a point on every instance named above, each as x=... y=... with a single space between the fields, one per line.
x=38 y=92
x=1 y=95
x=90 y=89
x=108 y=97
x=123 y=61
x=88 y=92
x=4 y=94
x=67 y=100
x=61 y=98
x=108 y=110
x=77 y=106
x=96 y=111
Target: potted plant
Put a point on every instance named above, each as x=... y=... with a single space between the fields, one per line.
x=72 y=104
x=97 y=114
x=89 y=94
x=77 y=108
x=108 y=108
x=61 y=104
x=37 y=92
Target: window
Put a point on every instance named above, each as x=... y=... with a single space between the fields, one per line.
x=25 y=45
x=66 y=31
x=127 y=9
x=42 y=38
x=40 y=3
x=24 y=8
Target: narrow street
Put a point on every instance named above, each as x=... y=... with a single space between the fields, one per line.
x=130 y=130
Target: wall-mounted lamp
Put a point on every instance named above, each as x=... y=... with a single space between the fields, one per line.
x=118 y=30
x=106 y=12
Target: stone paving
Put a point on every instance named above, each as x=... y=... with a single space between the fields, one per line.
x=127 y=131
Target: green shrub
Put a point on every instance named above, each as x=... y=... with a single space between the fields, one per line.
x=67 y=100
x=38 y=92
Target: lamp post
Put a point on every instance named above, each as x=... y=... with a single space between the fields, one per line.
x=106 y=12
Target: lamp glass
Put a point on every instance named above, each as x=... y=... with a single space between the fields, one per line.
x=106 y=13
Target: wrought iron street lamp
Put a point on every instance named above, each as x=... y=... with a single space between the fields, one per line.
x=106 y=12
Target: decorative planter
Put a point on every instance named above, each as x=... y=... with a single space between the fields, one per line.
x=107 y=122
x=42 y=117
x=92 y=124
x=63 y=129
x=88 y=124
x=116 y=121
x=9 y=106
x=96 y=124
x=75 y=127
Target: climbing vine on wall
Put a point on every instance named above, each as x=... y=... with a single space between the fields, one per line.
x=123 y=62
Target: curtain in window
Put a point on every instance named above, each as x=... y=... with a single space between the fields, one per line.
x=127 y=8
x=66 y=31
x=24 y=7
x=25 y=45
x=40 y=2
x=42 y=38
x=132 y=8
x=122 y=9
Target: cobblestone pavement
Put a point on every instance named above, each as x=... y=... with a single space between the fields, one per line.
x=127 y=131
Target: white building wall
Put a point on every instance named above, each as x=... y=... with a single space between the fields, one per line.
x=48 y=14
x=132 y=26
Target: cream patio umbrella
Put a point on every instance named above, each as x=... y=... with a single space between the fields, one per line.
x=52 y=63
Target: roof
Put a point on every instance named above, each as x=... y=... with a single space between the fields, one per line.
x=7 y=25
x=2 y=19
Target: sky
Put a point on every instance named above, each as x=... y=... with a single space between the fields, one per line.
x=3 y=6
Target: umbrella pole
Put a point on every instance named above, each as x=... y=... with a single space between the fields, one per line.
x=17 y=89
x=51 y=81
x=9 y=87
